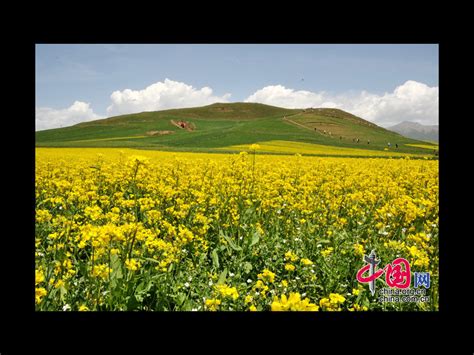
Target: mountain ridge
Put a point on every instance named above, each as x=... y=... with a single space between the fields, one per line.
x=417 y=130
x=220 y=125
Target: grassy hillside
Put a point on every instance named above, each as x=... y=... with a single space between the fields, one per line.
x=223 y=125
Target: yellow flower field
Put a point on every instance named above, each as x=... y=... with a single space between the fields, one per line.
x=317 y=149
x=122 y=229
x=424 y=146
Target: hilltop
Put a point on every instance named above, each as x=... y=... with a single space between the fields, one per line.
x=222 y=125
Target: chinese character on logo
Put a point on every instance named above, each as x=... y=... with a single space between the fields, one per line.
x=422 y=279
x=397 y=274
x=373 y=272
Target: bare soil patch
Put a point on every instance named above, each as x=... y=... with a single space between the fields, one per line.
x=158 y=133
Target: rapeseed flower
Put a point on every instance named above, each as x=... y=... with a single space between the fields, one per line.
x=132 y=264
x=39 y=277
x=359 y=249
x=332 y=303
x=212 y=304
x=326 y=252
x=289 y=255
x=101 y=271
x=267 y=276
x=292 y=303
x=94 y=214
x=357 y=307
x=227 y=291
x=40 y=292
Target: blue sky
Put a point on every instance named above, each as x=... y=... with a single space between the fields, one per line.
x=91 y=73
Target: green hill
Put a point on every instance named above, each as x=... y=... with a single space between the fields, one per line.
x=220 y=125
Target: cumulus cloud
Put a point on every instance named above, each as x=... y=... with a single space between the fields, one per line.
x=411 y=101
x=161 y=95
x=278 y=95
x=79 y=111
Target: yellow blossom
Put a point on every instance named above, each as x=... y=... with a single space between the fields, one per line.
x=359 y=249
x=132 y=264
x=326 y=252
x=305 y=261
x=292 y=303
x=227 y=291
x=40 y=292
x=291 y=256
x=267 y=276
x=39 y=277
x=212 y=304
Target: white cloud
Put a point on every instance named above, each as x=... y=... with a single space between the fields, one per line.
x=160 y=96
x=411 y=101
x=278 y=95
x=79 y=111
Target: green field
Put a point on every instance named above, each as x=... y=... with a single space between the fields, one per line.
x=218 y=126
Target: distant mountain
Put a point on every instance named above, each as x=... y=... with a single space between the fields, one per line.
x=417 y=131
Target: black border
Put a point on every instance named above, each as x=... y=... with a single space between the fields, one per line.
x=367 y=332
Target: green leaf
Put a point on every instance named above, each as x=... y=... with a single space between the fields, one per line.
x=231 y=242
x=52 y=293
x=63 y=292
x=132 y=303
x=248 y=212
x=157 y=276
x=114 y=260
x=255 y=238
x=140 y=287
x=215 y=259
x=188 y=306
x=116 y=266
x=152 y=260
x=181 y=298
x=247 y=267
x=222 y=277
